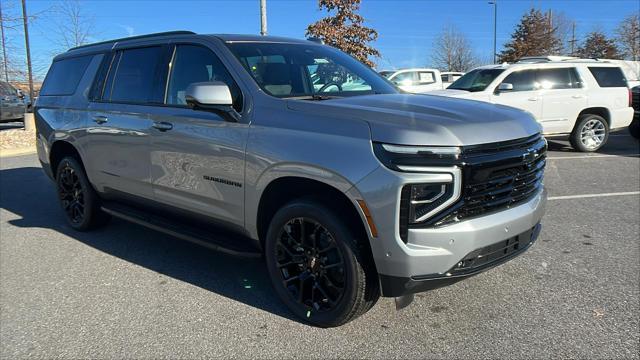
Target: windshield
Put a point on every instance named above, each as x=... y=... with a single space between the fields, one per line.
x=476 y=80
x=300 y=70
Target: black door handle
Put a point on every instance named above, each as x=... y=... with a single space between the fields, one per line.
x=163 y=125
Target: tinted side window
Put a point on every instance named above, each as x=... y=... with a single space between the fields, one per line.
x=64 y=75
x=192 y=64
x=561 y=78
x=134 y=73
x=609 y=76
x=523 y=80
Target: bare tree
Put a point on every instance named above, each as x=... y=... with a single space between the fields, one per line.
x=628 y=37
x=11 y=65
x=74 y=26
x=452 y=51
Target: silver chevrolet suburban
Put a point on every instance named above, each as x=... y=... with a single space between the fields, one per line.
x=291 y=150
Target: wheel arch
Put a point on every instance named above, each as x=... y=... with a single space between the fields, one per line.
x=59 y=150
x=285 y=189
x=596 y=110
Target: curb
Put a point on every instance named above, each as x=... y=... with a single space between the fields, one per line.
x=17 y=152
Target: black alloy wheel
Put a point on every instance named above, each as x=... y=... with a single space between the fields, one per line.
x=311 y=265
x=71 y=194
x=319 y=263
x=78 y=199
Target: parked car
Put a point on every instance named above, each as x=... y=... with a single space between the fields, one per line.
x=11 y=105
x=348 y=192
x=581 y=99
x=415 y=80
x=634 y=127
x=448 y=77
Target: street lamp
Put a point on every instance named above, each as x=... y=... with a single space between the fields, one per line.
x=495 y=25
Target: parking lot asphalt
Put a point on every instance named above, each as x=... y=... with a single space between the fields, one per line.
x=125 y=291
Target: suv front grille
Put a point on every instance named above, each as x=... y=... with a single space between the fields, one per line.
x=496 y=176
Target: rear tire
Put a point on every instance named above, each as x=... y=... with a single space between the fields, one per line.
x=78 y=199
x=317 y=266
x=590 y=133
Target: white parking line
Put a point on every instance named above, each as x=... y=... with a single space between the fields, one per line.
x=567 y=197
x=590 y=156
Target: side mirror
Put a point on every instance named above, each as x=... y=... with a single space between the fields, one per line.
x=212 y=96
x=505 y=87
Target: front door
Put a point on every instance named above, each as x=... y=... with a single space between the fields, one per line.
x=197 y=161
x=525 y=94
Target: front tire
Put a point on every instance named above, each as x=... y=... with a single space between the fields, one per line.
x=316 y=265
x=78 y=199
x=590 y=133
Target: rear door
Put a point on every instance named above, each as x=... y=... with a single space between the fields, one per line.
x=198 y=161
x=119 y=122
x=525 y=95
x=563 y=97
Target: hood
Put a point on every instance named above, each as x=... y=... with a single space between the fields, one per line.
x=427 y=120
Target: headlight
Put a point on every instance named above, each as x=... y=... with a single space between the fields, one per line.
x=436 y=188
x=413 y=158
x=424 y=198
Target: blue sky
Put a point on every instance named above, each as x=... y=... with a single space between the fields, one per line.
x=407 y=28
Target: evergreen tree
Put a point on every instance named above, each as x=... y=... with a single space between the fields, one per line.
x=598 y=46
x=534 y=36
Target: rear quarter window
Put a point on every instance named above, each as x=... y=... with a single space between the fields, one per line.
x=608 y=76
x=64 y=75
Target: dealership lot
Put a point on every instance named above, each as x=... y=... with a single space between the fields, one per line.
x=125 y=291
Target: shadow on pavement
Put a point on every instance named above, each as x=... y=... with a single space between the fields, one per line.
x=620 y=143
x=240 y=279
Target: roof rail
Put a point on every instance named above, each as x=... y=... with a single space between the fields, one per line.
x=178 y=32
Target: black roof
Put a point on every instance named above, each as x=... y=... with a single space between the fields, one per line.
x=108 y=44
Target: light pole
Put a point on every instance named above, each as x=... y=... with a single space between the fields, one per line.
x=4 y=47
x=26 y=43
x=263 y=17
x=495 y=27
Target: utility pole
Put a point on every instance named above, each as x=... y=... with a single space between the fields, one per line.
x=26 y=44
x=4 y=47
x=495 y=28
x=263 y=17
x=573 y=38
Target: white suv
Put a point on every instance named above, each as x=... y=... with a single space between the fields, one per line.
x=584 y=99
x=415 y=80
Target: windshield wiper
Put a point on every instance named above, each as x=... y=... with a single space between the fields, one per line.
x=316 y=97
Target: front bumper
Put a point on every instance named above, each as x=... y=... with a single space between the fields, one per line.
x=482 y=259
x=430 y=253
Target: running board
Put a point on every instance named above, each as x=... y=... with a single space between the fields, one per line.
x=220 y=243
